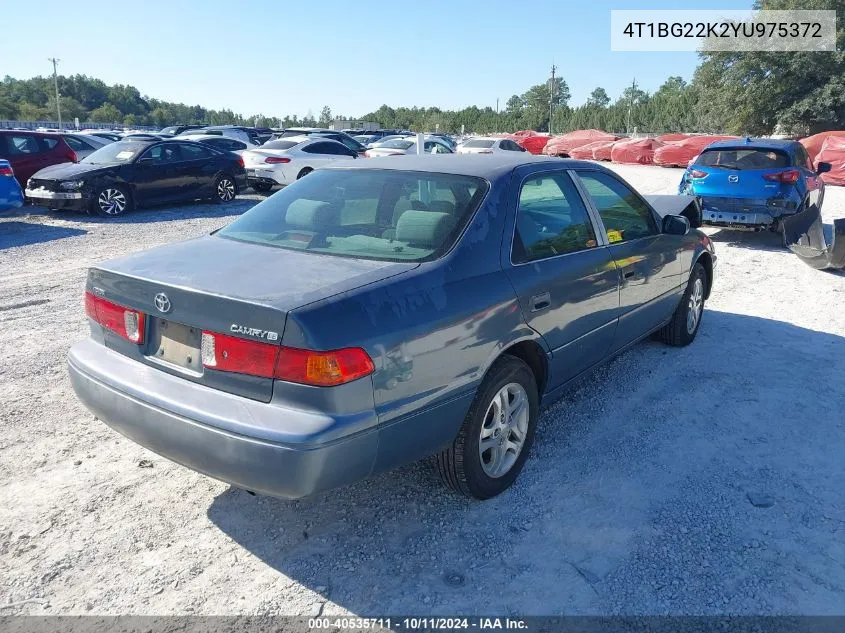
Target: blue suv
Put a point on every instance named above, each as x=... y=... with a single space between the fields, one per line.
x=753 y=183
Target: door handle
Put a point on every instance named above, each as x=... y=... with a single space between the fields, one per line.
x=628 y=274
x=540 y=302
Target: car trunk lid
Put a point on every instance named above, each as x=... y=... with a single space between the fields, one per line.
x=225 y=286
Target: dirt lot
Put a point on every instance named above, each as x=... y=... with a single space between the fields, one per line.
x=700 y=480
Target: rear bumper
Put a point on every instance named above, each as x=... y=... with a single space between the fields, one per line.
x=269 y=176
x=736 y=219
x=134 y=400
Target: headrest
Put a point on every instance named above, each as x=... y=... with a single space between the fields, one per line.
x=311 y=214
x=424 y=228
x=441 y=206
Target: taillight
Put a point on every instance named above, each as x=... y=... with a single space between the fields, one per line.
x=787 y=177
x=276 y=160
x=123 y=321
x=241 y=161
x=71 y=156
x=697 y=173
x=7 y=171
x=321 y=369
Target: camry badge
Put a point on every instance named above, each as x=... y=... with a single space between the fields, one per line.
x=162 y=303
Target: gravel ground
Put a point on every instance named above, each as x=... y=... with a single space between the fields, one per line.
x=703 y=480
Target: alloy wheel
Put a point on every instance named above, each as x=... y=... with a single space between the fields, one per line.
x=504 y=430
x=225 y=189
x=111 y=201
x=696 y=304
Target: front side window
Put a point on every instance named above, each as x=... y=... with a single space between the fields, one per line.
x=386 y=215
x=624 y=214
x=551 y=219
x=162 y=153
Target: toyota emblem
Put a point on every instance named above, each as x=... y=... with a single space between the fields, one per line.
x=162 y=303
x=733 y=178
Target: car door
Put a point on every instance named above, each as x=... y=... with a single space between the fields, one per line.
x=562 y=271
x=196 y=171
x=156 y=173
x=649 y=268
x=25 y=153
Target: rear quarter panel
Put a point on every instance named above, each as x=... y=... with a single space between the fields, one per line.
x=432 y=334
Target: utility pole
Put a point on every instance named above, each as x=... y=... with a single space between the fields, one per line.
x=56 y=85
x=497 y=114
x=551 y=98
x=631 y=106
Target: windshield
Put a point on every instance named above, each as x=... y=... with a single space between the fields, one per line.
x=739 y=159
x=385 y=215
x=280 y=144
x=115 y=153
x=397 y=144
x=479 y=143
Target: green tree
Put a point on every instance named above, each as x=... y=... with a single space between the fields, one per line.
x=106 y=113
x=325 y=116
x=599 y=98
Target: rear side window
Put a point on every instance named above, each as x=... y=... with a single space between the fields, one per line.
x=49 y=142
x=193 y=152
x=385 y=215
x=78 y=145
x=801 y=157
x=741 y=159
x=21 y=145
x=551 y=219
x=334 y=149
x=625 y=215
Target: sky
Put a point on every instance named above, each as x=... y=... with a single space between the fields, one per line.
x=278 y=57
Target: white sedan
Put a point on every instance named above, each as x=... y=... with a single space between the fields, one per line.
x=282 y=161
x=488 y=145
x=407 y=145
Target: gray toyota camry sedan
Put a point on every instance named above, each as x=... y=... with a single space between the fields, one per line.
x=381 y=311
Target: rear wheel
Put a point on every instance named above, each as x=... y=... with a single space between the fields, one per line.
x=225 y=189
x=304 y=172
x=111 y=201
x=492 y=445
x=684 y=325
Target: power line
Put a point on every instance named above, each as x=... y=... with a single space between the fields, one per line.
x=56 y=85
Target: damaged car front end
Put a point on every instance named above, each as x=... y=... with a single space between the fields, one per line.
x=817 y=244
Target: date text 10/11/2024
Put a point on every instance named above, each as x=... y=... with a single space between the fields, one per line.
x=417 y=624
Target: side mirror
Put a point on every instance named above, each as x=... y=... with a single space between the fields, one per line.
x=675 y=225
x=823 y=168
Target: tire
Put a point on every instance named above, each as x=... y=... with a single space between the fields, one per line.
x=305 y=171
x=261 y=187
x=225 y=189
x=683 y=327
x=463 y=466
x=111 y=201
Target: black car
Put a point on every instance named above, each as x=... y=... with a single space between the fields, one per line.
x=139 y=172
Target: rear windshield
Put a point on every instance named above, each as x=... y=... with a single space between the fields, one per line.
x=479 y=143
x=371 y=214
x=397 y=144
x=280 y=144
x=742 y=159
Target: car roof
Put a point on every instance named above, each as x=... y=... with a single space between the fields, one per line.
x=754 y=143
x=489 y=166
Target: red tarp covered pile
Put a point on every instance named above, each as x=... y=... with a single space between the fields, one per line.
x=602 y=152
x=563 y=144
x=636 y=151
x=672 y=137
x=680 y=153
x=833 y=152
x=813 y=144
x=530 y=140
x=585 y=152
